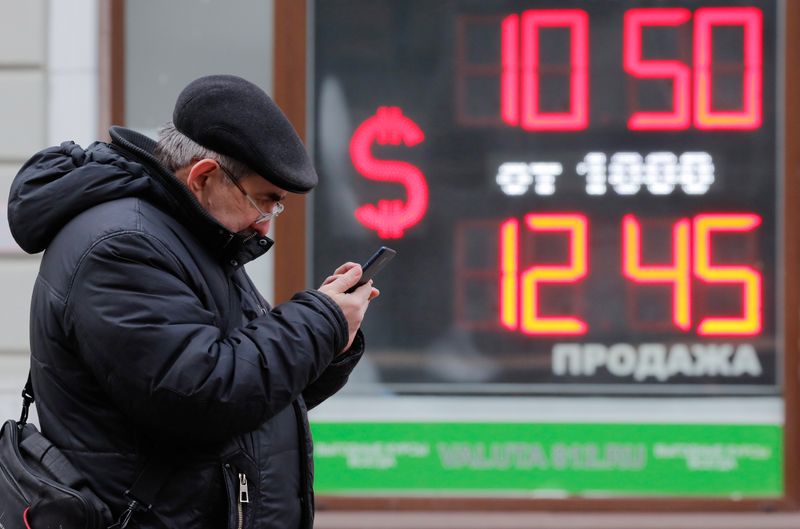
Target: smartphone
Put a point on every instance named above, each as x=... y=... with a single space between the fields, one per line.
x=374 y=265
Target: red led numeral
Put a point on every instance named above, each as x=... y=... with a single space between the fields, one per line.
x=705 y=20
x=749 y=117
x=576 y=226
x=509 y=80
x=749 y=278
x=635 y=19
x=578 y=22
x=677 y=273
x=527 y=113
x=521 y=69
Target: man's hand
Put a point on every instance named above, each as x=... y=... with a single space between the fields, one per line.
x=353 y=305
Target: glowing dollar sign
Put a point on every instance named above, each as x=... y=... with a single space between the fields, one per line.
x=391 y=217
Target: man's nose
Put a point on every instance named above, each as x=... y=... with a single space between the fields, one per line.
x=262 y=228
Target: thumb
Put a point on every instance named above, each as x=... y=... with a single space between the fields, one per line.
x=348 y=279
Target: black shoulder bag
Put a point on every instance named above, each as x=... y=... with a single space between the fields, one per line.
x=40 y=488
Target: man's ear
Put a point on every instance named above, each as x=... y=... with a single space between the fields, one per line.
x=197 y=179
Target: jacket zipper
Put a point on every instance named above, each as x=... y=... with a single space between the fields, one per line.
x=243 y=498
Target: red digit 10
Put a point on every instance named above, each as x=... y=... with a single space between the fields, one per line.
x=521 y=289
x=521 y=69
x=705 y=19
x=531 y=116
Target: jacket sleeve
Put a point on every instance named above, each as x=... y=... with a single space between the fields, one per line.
x=160 y=355
x=335 y=376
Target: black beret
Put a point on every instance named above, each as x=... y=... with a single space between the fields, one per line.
x=234 y=117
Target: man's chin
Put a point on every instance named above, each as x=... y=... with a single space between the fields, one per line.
x=247 y=234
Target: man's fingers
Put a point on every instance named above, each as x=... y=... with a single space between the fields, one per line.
x=343 y=269
x=364 y=291
x=348 y=279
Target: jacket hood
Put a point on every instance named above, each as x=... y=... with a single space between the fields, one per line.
x=59 y=183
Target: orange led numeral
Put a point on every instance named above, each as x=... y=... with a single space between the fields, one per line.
x=677 y=273
x=750 y=279
x=521 y=289
x=509 y=259
x=532 y=322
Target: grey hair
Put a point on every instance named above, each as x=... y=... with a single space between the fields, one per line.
x=176 y=150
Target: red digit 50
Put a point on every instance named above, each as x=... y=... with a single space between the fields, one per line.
x=521 y=74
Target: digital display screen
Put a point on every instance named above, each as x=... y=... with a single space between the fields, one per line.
x=582 y=194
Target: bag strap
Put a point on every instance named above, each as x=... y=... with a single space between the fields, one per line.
x=144 y=490
x=27 y=400
x=150 y=480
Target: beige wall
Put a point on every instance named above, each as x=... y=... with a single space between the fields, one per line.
x=48 y=94
x=23 y=104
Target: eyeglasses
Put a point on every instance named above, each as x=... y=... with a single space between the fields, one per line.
x=263 y=216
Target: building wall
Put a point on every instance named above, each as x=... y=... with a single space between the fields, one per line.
x=48 y=94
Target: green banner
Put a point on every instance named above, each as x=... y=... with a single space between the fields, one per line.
x=549 y=459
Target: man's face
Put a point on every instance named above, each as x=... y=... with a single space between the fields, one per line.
x=227 y=203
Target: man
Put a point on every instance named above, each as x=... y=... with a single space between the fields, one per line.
x=149 y=343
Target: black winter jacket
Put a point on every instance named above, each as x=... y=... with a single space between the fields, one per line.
x=147 y=337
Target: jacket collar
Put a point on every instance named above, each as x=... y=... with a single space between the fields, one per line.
x=233 y=248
